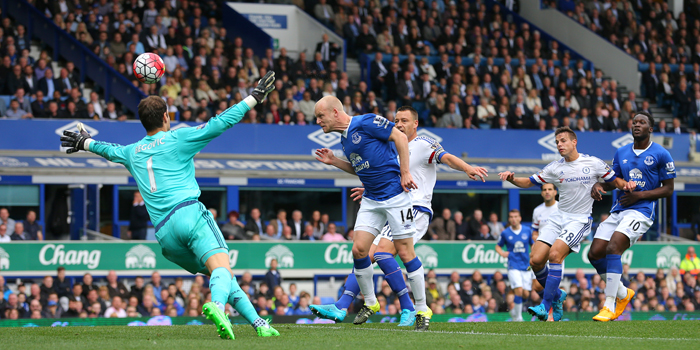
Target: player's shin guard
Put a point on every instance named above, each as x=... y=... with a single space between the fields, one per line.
x=220 y=284
x=416 y=278
x=365 y=274
x=351 y=291
x=394 y=276
x=551 y=290
x=601 y=266
x=612 y=282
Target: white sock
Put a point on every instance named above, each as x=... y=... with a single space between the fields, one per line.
x=604 y=276
x=416 y=280
x=365 y=279
x=611 y=287
x=621 y=291
x=518 y=311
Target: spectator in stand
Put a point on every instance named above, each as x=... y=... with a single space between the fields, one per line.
x=115 y=287
x=62 y=285
x=234 y=228
x=461 y=226
x=138 y=223
x=254 y=224
x=475 y=222
x=443 y=228
x=272 y=278
x=5 y=219
x=31 y=227
x=331 y=235
x=52 y=309
x=88 y=284
x=4 y=237
x=495 y=226
x=690 y=264
x=116 y=309
x=19 y=234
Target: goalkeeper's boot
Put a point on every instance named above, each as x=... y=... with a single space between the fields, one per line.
x=329 y=312
x=539 y=312
x=621 y=304
x=604 y=315
x=223 y=324
x=423 y=320
x=408 y=318
x=558 y=307
x=264 y=329
x=365 y=313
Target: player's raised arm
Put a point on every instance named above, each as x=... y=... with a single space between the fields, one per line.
x=522 y=182
x=196 y=138
x=82 y=141
x=456 y=163
x=401 y=142
x=326 y=156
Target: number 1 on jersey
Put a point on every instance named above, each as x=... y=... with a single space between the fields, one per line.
x=151 y=175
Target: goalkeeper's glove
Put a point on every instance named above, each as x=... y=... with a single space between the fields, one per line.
x=265 y=86
x=75 y=141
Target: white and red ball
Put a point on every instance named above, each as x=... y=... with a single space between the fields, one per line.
x=149 y=68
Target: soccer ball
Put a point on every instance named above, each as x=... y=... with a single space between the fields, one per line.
x=149 y=68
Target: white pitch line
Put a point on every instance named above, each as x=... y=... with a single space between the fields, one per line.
x=502 y=334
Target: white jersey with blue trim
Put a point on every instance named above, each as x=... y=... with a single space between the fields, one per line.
x=426 y=153
x=541 y=214
x=647 y=167
x=574 y=181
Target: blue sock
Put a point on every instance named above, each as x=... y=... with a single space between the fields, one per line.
x=413 y=265
x=239 y=300
x=613 y=263
x=351 y=290
x=220 y=285
x=601 y=265
x=541 y=277
x=518 y=299
x=394 y=276
x=551 y=290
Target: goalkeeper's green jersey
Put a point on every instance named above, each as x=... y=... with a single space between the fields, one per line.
x=163 y=165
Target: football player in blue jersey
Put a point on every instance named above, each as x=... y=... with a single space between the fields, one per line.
x=651 y=167
x=518 y=240
x=371 y=143
x=162 y=165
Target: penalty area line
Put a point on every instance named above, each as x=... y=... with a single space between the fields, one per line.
x=501 y=334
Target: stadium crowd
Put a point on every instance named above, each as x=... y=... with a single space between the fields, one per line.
x=62 y=297
x=650 y=32
x=412 y=46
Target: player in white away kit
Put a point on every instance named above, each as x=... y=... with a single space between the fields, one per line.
x=650 y=166
x=540 y=216
x=574 y=175
x=425 y=155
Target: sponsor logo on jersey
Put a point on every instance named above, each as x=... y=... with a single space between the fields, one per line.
x=649 y=160
x=581 y=179
x=356 y=138
x=427 y=255
x=668 y=257
x=140 y=257
x=358 y=163
x=4 y=260
x=284 y=256
x=326 y=140
x=636 y=175
x=519 y=247
x=624 y=161
x=53 y=254
x=381 y=122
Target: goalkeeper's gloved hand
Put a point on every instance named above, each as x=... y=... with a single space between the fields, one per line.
x=75 y=141
x=265 y=86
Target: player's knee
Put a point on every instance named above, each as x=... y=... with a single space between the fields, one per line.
x=594 y=255
x=359 y=252
x=556 y=257
x=537 y=263
x=613 y=248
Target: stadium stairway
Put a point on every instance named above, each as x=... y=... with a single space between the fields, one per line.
x=352 y=68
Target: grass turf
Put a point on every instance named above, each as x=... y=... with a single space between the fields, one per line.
x=636 y=335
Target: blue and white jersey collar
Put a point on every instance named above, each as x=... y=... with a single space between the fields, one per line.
x=640 y=151
x=345 y=132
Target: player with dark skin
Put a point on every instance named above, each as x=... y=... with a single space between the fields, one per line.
x=641 y=131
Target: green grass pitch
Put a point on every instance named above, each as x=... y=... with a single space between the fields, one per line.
x=635 y=335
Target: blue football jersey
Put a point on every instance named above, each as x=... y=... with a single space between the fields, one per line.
x=518 y=244
x=375 y=160
x=647 y=169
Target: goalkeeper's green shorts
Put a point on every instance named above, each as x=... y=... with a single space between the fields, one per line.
x=189 y=236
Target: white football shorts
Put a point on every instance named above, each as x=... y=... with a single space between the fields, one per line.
x=422 y=220
x=631 y=223
x=396 y=211
x=520 y=279
x=570 y=228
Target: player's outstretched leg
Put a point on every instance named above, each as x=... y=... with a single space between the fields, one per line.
x=338 y=311
x=238 y=299
x=365 y=274
x=394 y=277
x=220 y=283
x=416 y=278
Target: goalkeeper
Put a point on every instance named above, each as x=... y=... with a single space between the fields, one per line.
x=162 y=165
